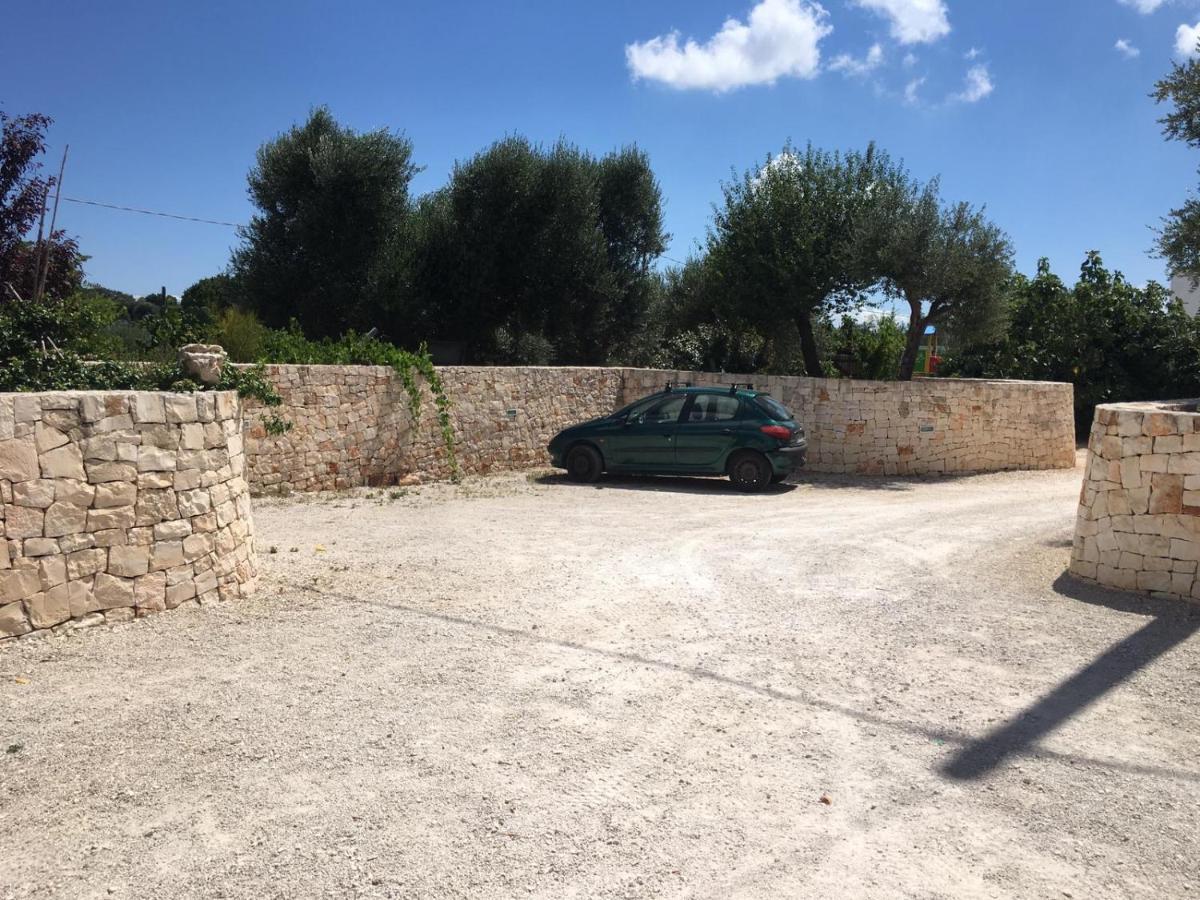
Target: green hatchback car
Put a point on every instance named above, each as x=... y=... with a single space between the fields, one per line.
x=684 y=430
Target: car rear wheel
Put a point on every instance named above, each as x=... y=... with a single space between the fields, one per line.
x=749 y=471
x=584 y=464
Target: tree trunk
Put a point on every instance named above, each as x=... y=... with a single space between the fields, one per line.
x=808 y=347
x=912 y=343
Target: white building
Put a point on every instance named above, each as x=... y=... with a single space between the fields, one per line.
x=1187 y=292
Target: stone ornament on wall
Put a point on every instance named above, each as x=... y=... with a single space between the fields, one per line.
x=120 y=504
x=1138 y=526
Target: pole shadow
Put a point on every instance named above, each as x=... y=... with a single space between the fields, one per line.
x=1173 y=623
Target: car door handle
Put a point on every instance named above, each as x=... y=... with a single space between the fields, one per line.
x=726 y=431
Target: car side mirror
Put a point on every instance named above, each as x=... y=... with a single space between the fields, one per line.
x=633 y=420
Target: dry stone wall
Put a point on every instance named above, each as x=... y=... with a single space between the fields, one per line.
x=120 y=504
x=351 y=424
x=920 y=427
x=1138 y=526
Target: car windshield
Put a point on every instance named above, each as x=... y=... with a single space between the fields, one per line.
x=773 y=408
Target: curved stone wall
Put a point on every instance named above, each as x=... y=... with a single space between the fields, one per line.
x=1138 y=526
x=351 y=424
x=120 y=504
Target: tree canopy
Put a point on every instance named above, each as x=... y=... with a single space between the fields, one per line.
x=331 y=205
x=1179 y=237
x=539 y=255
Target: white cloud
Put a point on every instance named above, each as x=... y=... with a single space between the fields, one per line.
x=1145 y=7
x=780 y=38
x=978 y=85
x=1186 y=39
x=912 y=91
x=913 y=21
x=1127 y=49
x=844 y=62
x=973 y=53
x=910 y=60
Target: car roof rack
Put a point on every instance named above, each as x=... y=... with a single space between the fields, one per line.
x=671 y=385
x=733 y=388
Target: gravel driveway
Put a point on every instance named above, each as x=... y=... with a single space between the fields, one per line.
x=523 y=687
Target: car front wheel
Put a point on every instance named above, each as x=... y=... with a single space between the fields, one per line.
x=749 y=472
x=584 y=464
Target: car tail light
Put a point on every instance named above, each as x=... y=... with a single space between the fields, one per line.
x=779 y=432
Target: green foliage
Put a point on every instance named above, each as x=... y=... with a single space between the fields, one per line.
x=42 y=347
x=332 y=205
x=535 y=254
x=213 y=295
x=1114 y=341
x=240 y=333
x=291 y=346
x=948 y=263
x=785 y=245
x=869 y=350
x=1179 y=238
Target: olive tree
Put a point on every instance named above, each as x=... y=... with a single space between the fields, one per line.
x=786 y=244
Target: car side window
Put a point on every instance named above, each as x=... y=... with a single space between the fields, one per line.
x=665 y=411
x=714 y=408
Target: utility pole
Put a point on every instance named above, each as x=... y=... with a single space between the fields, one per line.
x=44 y=262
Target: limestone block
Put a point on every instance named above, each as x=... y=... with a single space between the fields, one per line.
x=52 y=571
x=203 y=362
x=63 y=462
x=47 y=438
x=114 y=517
x=83 y=563
x=129 y=561
x=197 y=545
x=176 y=529
x=119 y=616
x=51 y=607
x=180 y=408
x=23 y=521
x=81 y=596
x=156 y=480
x=18 y=461
x=150 y=591
x=155 y=506
x=1166 y=494
x=69 y=543
x=65 y=518
x=179 y=593
x=112 y=592
x=18 y=583
x=37 y=494
x=115 y=493
x=191 y=437
x=166 y=554
x=110 y=537
x=35 y=547
x=156 y=459
x=187 y=480
x=12 y=620
x=195 y=503
x=148 y=406
x=104 y=472
x=67 y=490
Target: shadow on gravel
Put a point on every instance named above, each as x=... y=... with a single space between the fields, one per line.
x=1171 y=623
x=669 y=483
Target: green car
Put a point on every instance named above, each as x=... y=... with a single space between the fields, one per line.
x=684 y=430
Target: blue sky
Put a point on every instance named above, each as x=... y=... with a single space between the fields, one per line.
x=1027 y=106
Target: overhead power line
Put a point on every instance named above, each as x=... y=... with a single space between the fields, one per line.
x=152 y=212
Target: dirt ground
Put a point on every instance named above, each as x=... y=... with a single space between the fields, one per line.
x=527 y=688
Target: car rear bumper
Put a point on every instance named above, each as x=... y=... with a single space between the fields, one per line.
x=789 y=458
